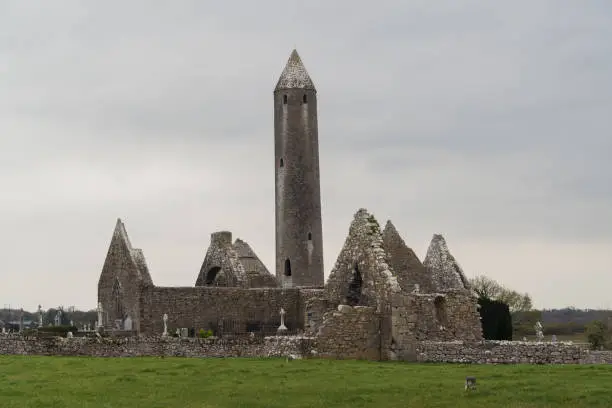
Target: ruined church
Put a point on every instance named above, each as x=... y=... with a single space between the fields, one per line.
x=377 y=279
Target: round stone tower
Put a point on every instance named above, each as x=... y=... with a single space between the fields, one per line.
x=299 y=232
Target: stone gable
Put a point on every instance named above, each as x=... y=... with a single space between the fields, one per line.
x=445 y=271
x=124 y=273
x=406 y=265
x=257 y=273
x=362 y=275
x=222 y=266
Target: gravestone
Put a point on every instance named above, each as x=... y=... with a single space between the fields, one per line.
x=165 y=320
x=282 y=329
x=539 y=331
x=100 y=310
x=40 y=316
x=470 y=383
x=127 y=324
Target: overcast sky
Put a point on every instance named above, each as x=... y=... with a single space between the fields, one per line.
x=487 y=122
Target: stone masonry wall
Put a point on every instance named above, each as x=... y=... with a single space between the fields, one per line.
x=435 y=317
x=158 y=346
x=238 y=310
x=499 y=352
x=406 y=265
x=350 y=333
x=362 y=275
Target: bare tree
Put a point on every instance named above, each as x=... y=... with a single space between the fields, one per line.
x=490 y=289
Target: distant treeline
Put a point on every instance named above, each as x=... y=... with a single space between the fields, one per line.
x=568 y=321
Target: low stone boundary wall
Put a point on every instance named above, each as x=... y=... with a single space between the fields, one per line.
x=500 y=352
x=275 y=346
x=597 y=357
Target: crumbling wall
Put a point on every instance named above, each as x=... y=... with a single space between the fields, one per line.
x=313 y=306
x=406 y=265
x=350 y=333
x=362 y=275
x=258 y=275
x=221 y=309
x=221 y=265
x=435 y=317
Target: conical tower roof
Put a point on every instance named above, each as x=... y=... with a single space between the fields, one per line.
x=294 y=75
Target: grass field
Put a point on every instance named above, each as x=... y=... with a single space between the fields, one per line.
x=177 y=382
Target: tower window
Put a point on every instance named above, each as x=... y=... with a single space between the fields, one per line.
x=287 y=267
x=284 y=99
x=310 y=236
x=282 y=163
x=305 y=98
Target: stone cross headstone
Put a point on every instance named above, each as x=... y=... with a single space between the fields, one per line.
x=165 y=319
x=100 y=310
x=40 y=316
x=21 y=320
x=282 y=328
x=539 y=331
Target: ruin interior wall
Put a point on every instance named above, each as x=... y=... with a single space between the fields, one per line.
x=436 y=317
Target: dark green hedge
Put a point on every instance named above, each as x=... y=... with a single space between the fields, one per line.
x=496 y=319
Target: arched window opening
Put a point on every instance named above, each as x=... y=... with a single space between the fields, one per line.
x=440 y=310
x=287 y=267
x=284 y=99
x=117 y=300
x=354 y=295
x=310 y=236
x=212 y=274
x=282 y=163
x=305 y=98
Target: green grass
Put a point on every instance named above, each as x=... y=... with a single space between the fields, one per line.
x=177 y=382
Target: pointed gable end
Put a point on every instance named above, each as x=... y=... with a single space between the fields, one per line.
x=446 y=272
x=121 y=256
x=406 y=265
x=362 y=275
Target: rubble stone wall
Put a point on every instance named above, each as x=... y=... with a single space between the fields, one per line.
x=500 y=352
x=275 y=346
x=350 y=333
x=436 y=317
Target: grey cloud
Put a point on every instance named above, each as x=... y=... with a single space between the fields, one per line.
x=485 y=122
